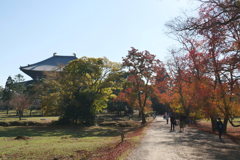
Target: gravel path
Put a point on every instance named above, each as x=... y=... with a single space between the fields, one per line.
x=160 y=144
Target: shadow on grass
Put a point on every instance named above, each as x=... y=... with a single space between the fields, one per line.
x=72 y=131
x=57 y=131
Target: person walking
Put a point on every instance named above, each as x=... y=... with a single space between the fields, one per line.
x=173 y=122
x=166 y=116
x=219 y=126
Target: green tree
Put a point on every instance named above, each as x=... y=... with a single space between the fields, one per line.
x=12 y=87
x=33 y=92
x=82 y=89
x=7 y=93
x=18 y=85
x=1 y=96
x=1 y=92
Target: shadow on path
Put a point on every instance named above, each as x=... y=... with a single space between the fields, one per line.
x=192 y=144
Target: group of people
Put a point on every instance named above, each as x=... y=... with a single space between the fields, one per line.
x=173 y=121
x=182 y=123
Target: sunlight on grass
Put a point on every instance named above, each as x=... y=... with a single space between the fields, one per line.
x=51 y=142
x=60 y=142
x=39 y=147
x=34 y=119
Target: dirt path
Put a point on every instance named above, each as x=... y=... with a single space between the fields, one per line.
x=160 y=144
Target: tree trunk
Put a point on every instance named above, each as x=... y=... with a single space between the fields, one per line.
x=20 y=114
x=231 y=122
x=7 y=109
x=225 y=122
x=143 y=117
x=140 y=113
x=213 y=122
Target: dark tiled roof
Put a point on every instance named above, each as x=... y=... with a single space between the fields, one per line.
x=54 y=63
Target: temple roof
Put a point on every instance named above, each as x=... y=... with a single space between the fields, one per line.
x=54 y=63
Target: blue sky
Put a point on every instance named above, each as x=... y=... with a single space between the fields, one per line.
x=32 y=30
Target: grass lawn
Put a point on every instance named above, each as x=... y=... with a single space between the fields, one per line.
x=54 y=142
x=62 y=142
x=36 y=117
x=3 y=113
x=65 y=142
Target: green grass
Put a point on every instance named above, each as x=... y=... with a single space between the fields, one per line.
x=60 y=142
x=50 y=142
x=3 y=113
x=36 y=117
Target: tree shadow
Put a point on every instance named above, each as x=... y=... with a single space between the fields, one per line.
x=202 y=143
x=71 y=131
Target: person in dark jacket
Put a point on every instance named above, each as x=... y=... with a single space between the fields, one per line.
x=219 y=126
x=173 y=122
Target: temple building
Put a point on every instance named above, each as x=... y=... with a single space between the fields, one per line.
x=55 y=63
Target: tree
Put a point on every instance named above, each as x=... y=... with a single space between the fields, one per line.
x=126 y=97
x=12 y=87
x=1 y=97
x=18 y=85
x=143 y=67
x=118 y=106
x=177 y=95
x=33 y=92
x=120 y=102
x=219 y=12
x=20 y=102
x=190 y=89
x=217 y=29
x=7 y=92
x=1 y=92
x=82 y=89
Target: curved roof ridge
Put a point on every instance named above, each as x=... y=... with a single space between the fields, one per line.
x=50 y=64
x=47 y=59
x=35 y=63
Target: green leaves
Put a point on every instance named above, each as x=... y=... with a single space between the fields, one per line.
x=84 y=88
